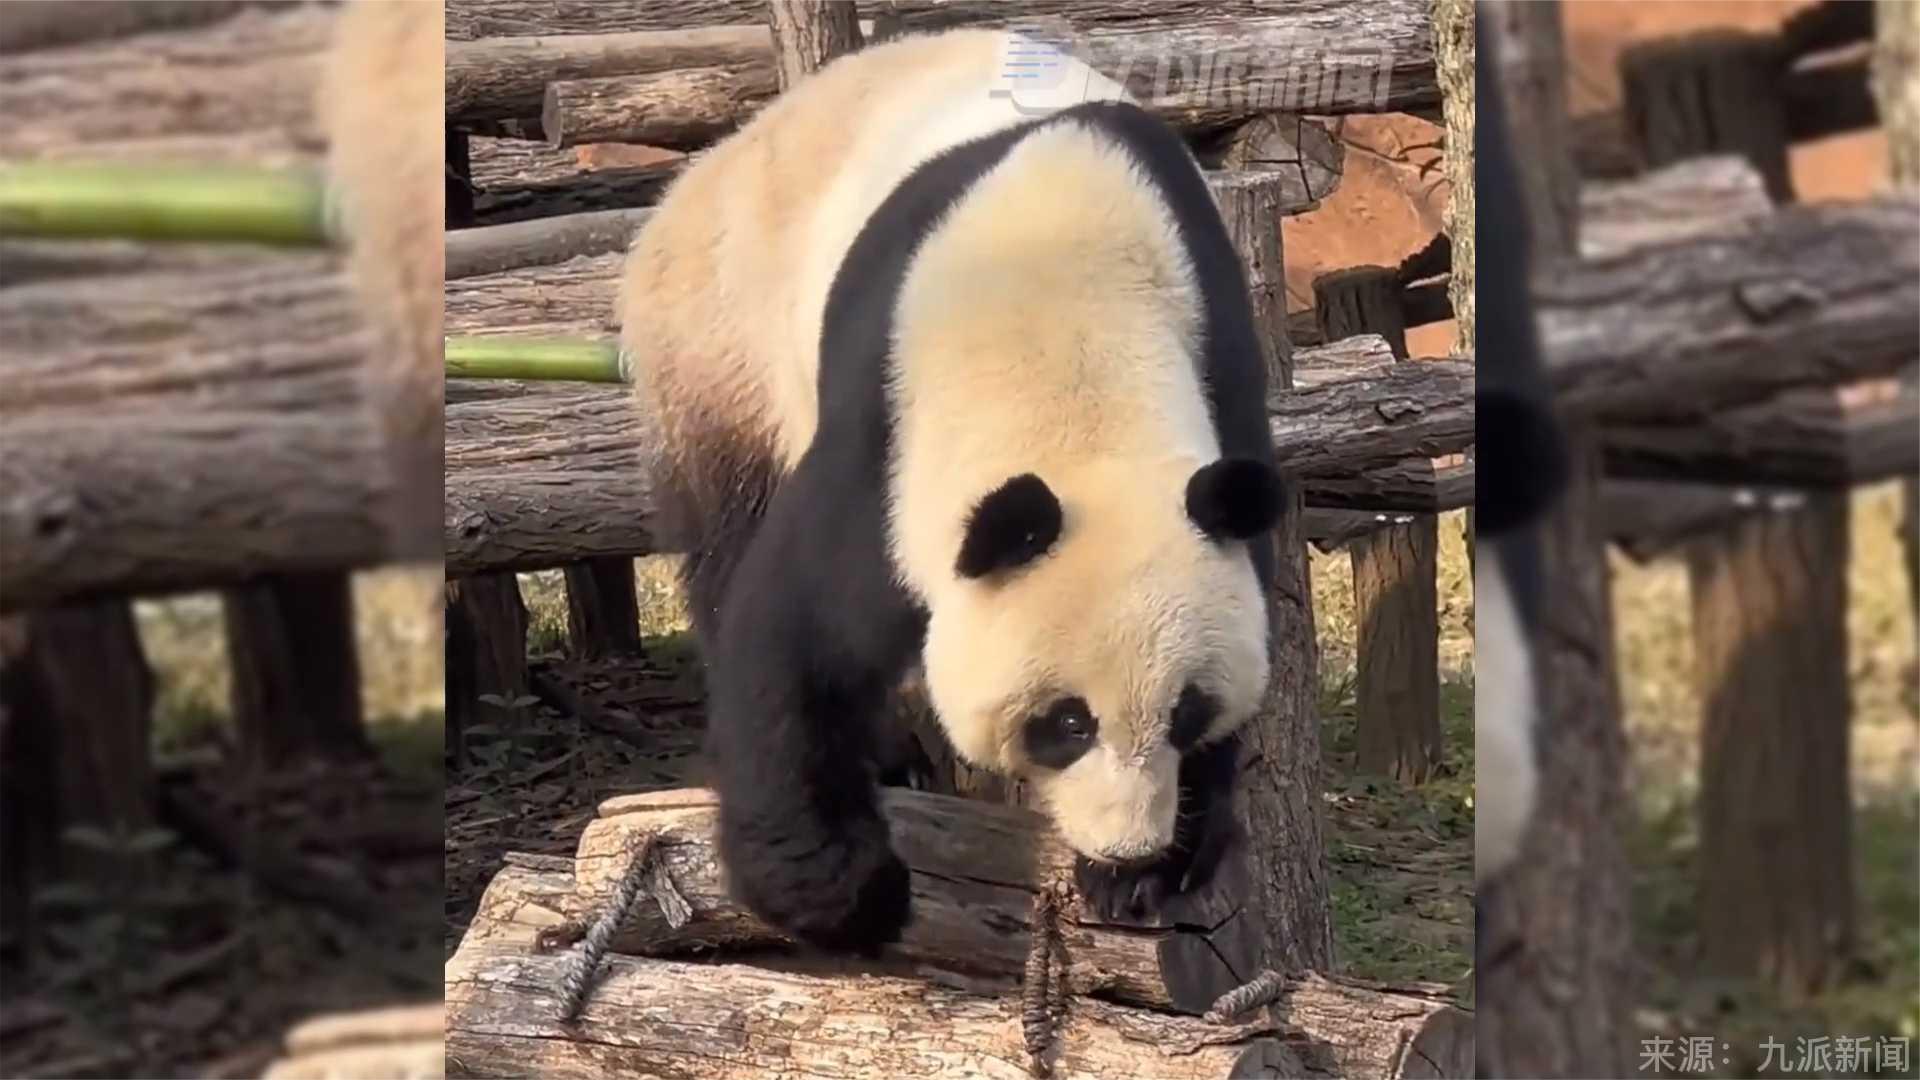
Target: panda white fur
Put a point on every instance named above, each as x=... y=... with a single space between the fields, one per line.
x=941 y=381
x=1521 y=471
x=379 y=101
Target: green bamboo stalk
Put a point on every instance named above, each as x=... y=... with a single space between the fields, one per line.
x=565 y=359
x=96 y=200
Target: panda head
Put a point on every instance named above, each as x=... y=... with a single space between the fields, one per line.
x=1106 y=620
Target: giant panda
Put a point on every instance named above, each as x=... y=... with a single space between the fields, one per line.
x=378 y=101
x=1522 y=470
x=956 y=385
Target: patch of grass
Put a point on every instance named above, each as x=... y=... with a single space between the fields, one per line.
x=663 y=610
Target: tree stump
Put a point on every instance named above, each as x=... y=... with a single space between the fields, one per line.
x=1397 y=692
x=296 y=669
x=486 y=650
x=603 y=612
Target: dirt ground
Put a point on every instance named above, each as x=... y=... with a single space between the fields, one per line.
x=179 y=962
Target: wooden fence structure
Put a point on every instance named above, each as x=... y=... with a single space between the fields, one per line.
x=539 y=477
x=1730 y=365
x=176 y=417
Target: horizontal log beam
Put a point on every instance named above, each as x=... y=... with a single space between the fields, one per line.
x=125 y=406
x=680 y=109
x=518 y=180
x=544 y=479
x=1811 y=437
x=1202 y=64
x=976 y=868
x=492 y=249
x=506 y=78
x=1809 y=296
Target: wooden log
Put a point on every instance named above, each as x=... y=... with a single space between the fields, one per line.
x=517 y=180
x=542 y=480
x=681 y=109
x=48 y=24
x=1205 y=64
x=656 y=1018
x=1769 y=598
x=1302 y=152
x=1650 y=518
x=603 y=612
x=1896 y=87
x=1675 y=203
x=404 y=1042
x=976 y=866
x=76 y=698
x=1814 y=436
x=160 y=383
x=1770 y=645
x=1552 y=974
x=1810 y=295
x=505 y=78
x=1397 y=693
x=496 y=248
x=808 y=33
x=145 y=98
x=1453 y=34
x=296 y=672
x=1266 y=904
x=486 y=650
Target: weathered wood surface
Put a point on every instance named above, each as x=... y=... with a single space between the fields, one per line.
x=1305 y=156
x=808 y=33
x=45 y=24
x=1809 y=295
x=574 y=298
x=517 y=180
x=506 y=78
x=540 y=480
x=1813 y=436
x=976 y=867
x=127 y=404
x=1679 y=202
x=492 y=249
x=681 y=109
x=403 y=1042
x=233 y=92
x=1201 y=63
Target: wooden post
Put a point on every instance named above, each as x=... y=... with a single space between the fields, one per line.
x=603 y=614
x=296 y=674
x=808 y=33
x=1896 y=88
x=76 y=703
x=1398 y=688
x=486 y=650
x=1770 y=628
x=1553 y=944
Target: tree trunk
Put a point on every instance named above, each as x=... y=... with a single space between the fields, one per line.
x=1896 y=86
x=1398 y=688
x=808 y=33
x=76 y=703
x=1770 y=624
x=296 y=672
x=486 y=650
x=1769 y=629
x=603 y=612
x=1553 y=988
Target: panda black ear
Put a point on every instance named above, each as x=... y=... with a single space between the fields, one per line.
x=1015 y=524
x=1234 y=498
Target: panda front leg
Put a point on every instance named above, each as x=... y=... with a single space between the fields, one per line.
x=812 y=637
x=1149 y=891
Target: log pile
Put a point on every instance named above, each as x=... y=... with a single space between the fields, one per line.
x=976 y=868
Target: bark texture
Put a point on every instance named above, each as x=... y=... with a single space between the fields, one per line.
x=808 y=33
x=603 y=612
x=296 y=671
x=1558 y=1005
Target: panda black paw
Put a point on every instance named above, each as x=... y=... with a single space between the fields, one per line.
x=836 y=887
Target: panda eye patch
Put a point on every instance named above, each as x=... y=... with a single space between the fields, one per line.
x=1012 y=526
x=1193 y=714
x=1058 y=737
